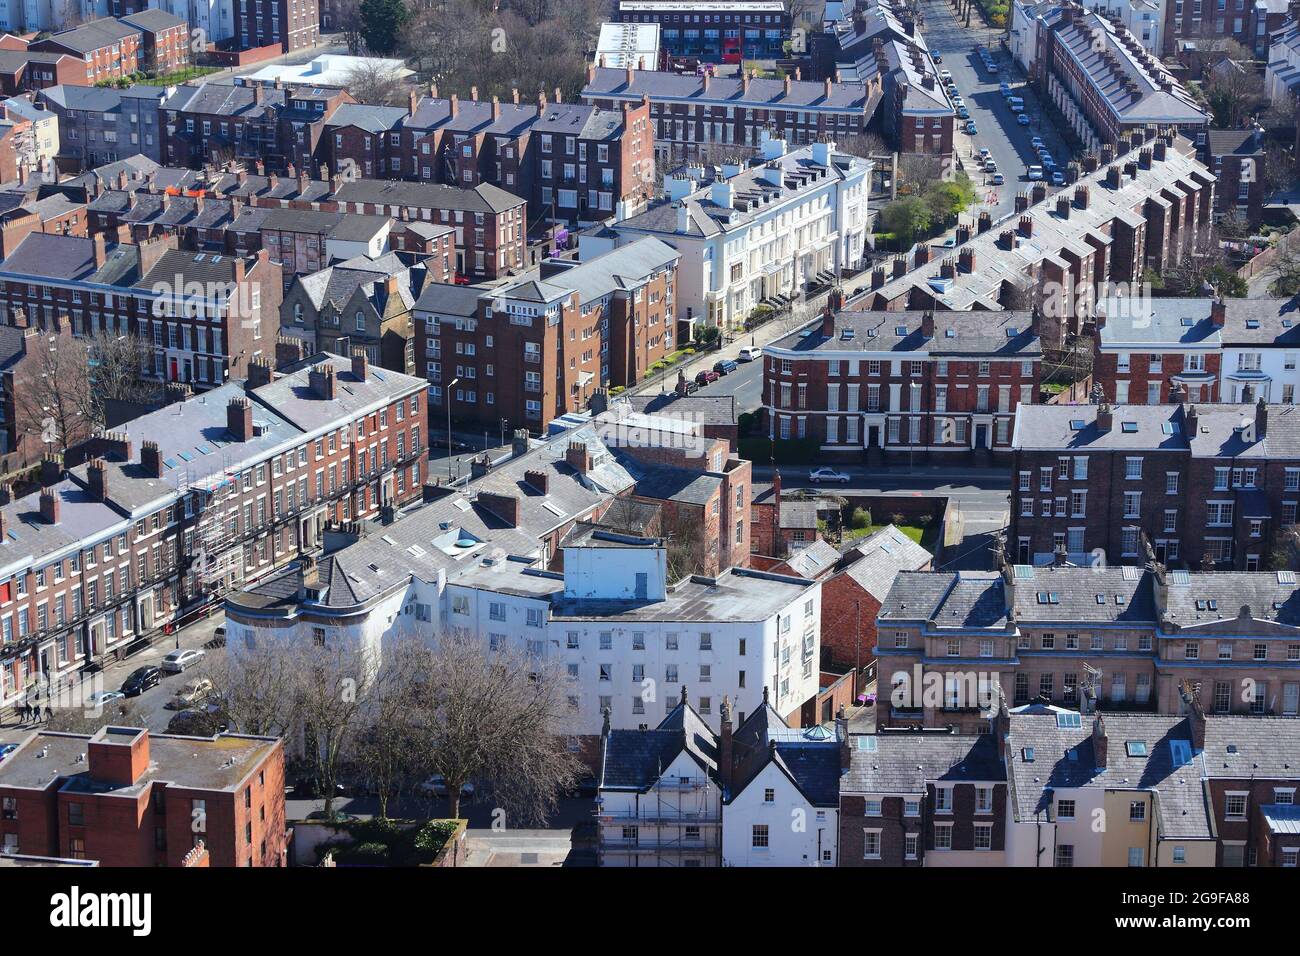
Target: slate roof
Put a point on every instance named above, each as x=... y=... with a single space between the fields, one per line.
x=813 y=560
x=623 y=268
x=813 y=766
x=372 y=119
x=1272 y=597
x=635 y=759
x=1266 y=322
x=1158 y=322
x=29 y=538
x=706 y=409
x=1234 y=142
x=483 y=198
x=153 y=20
x=291 y=398
x=1110 y=595
x=449 y=299
x=965 y=600
x=1051 y=428
x=882 y=556
x=93 y=35
x=670 y=483
x=804 y=95
x=1180 y=806
x=906 y=762
x=1228 y=431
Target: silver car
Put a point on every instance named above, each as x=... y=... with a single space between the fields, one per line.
x=177 y=661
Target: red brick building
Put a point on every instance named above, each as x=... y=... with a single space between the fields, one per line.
x=545 y=343
x=931 y=383
x=110 y=49
x=165 y=40
x=1150 y=351
x=125 y=798
x=289 y=24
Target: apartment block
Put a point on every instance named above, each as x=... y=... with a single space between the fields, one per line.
x=714 y=30
x=110 y=49
x=99 y=125
x=541 y=344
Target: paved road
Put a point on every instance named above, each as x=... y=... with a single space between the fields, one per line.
x=1006 y=141
x=746 y=384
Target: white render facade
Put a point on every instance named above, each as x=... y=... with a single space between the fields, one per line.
x=785 y=830
x=677 y=822
x=757 y=232
x=1252 y=372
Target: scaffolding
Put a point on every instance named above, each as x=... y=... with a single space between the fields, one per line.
x=217 y=558
x=670 y=843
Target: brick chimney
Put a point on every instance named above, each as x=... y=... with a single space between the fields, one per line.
x=101 y=252
x=1261 y=420
x=412 y=102
x=1113 y=177
x=505 y=507
x=260 y=372
x=97 y=476
x=360 y=364
x=900 y=266
x=1026 y=227
x=578 y=456
x=538 y=480
x=239 y=419
x=985 y=222
x=1099 y=742
x=1039 y=192
x=1022 y=202
x=321 y=380
x=50 y=506
x=1190 y=693
x=828 y=322
x=118 y=755
x=151 y=459
x=1081 y=196
x=842 y=735
x=927 y=325
x=1218 y=311
x=877 y=277
x=1105 y=417
x=1006 y=239
x=51 y=469
x=948 y=269
x=1063 y=207
x=966 y=260
x=6 y=493
x=922 y=256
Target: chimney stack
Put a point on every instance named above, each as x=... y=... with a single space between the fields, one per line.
x=151 y=459
x=1026 y=227
x=1261 y=419
x=50 y=506
x=321 y=380
x=828 y=322
x=1099 y=742
x=97 y=475
x=726 y=756
x=578 y=457
x=985 y=222
x=239 y=419
x=360 y=364
x=1105 y=417
x=1218 y=311
x=51 y=469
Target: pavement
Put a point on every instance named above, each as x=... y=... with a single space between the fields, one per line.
x=147 y=708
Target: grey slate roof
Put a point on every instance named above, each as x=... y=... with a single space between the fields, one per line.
x=153 y=20
x=995 y=335
x=1110 y=595
x=905 y=763
x=726 y=91
x=964 y=600
x=1158 y=322
x=1222 y=596
x=1181 y=806
x=1052 y=428
x=707 y=409
x=813 y=560
x=670 y=483
x=291 y=398
x=372 y=119
x=29 y=538
x=881 y=556
x=1266 y=322
x=483 y=198
x=635 y=759
x=93 y=35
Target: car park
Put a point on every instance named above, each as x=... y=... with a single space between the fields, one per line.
x=140 y=680
x=750 y=352
x=818 y=475
x=178 y=660
x=1022 y=119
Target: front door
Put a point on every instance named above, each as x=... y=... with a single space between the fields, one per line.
x=981 y=436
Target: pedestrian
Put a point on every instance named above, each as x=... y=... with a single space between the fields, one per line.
x=27 y=712
x=49 y=712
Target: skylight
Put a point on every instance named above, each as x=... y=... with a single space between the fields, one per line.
x=1135 y=748
x=1187 y=323
x=1077 y=424
x=900 y=330
x=867 y=742
x=1068 y=721
x=1027 y=754
x=1129 y=428
x=1252 y=323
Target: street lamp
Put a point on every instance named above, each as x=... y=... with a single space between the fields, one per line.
x=449 y=387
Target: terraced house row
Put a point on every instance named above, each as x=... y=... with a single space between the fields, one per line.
x=1210 y=486
x=1024 y=788
x=146 y=524
x=1108 y=638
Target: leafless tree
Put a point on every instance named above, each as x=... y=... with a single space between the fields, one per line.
x=54 y=401
x=373 y=83
x=333 y=684
x=919 y=170
x=688 y=552
x=257 y=687
x=498 y=718
x=1234 y=93
x=1279 y=168
x=347 y=21
x=864 y=145
x=116 y=375
x=387 y=747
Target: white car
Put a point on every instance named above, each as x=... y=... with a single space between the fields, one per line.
x=818 y=475
x=177 y=661
x=101 y=698
x=189 y=695
x=945 y=75
x=1034 y=172
x=750 y=352
x=437 y=785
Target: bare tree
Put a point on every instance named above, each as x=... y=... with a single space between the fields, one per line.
x=375 y=84
x=1279 y=168
x=498 y=718
x=864 y=145
x=53 y=399
x=257 y=687
x=688 y=552
x=387 y=747
x=1234 y=93
x=116 y=372
x=333 y=682
x=919 y=170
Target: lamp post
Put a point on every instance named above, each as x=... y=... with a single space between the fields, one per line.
x=449 y=453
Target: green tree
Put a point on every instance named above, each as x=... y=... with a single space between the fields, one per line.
x=381 y=25
x=908 y=218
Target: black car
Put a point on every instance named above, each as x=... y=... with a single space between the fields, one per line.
x=725 y=367
x=141 y=679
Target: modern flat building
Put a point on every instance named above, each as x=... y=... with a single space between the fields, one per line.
x=713 y=30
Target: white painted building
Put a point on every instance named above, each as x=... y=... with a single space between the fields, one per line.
x=786 y=813
x=35 y=16
x=750 y=234
x=1282 y=74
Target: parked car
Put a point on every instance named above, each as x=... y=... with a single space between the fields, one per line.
x=189 y=694
x=725 y=367
x=102 y=698
x=993 y=67
x=963 y=113
x=1023 y=119
x=936 y=56
x=1037 y=142
x=691 y=386
x=197 y=723
x=998 y=179
x=7 y=749
x=140 y=680
x=751 y=352
x=1016 y=103
x=437 y=785
x=178 y=660
x=983 y=153
x=1058 y=178
x=707 y=376
x=990 y=165
x=945 y=75
x=1004 y=88
x=971 y=128
x=1034 y=173
x=818 y=475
